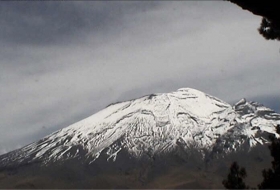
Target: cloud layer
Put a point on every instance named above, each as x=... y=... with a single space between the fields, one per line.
x=63 y=61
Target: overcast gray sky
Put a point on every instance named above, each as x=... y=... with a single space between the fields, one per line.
x=64 y=61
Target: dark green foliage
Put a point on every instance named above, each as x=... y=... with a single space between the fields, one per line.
x=269 y=10
x=235 y=177
x=270 y=30
x=271 y=176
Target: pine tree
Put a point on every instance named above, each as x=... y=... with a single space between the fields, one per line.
x=271 y=176
x=235 y=178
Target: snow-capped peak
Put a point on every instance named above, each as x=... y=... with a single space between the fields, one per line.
x=155 y=124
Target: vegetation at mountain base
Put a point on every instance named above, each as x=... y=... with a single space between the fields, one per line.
x=271 y=176
x=269 y=10
x=235 y=179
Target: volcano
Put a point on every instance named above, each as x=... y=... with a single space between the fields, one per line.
x=182 y=139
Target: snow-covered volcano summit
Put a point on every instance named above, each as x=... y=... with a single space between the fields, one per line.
x=155 y=124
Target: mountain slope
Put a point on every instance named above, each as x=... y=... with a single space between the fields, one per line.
x=155 y=124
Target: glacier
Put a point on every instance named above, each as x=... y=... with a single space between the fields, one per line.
x=154 y=125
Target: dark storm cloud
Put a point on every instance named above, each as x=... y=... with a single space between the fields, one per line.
x=48 y=22
x=39 y=23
